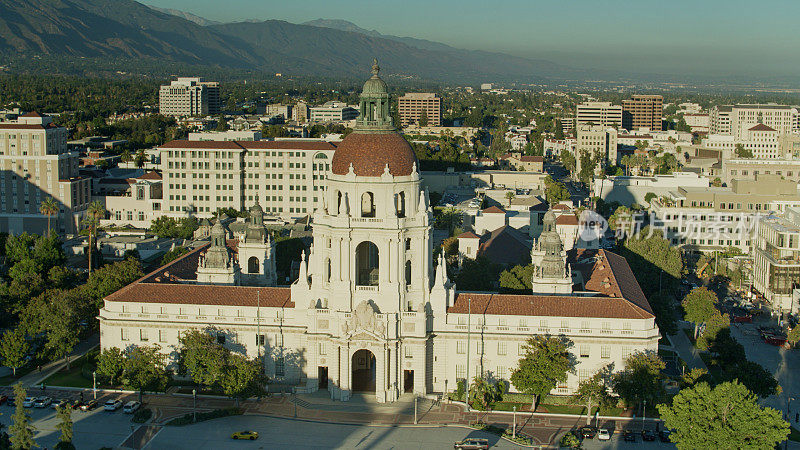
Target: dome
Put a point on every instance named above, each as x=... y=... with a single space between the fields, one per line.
x=369 y=153
x=375 y=85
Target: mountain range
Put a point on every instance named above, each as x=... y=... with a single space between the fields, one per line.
x=128 y=29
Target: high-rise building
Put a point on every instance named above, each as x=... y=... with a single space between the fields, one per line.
x=776 y=259
x=35 y=165
x=737 y=120
x=642 y=111
x=412 y=105
x=599 y=113
x=596 y=140
x=189 y=97
x=287 y=176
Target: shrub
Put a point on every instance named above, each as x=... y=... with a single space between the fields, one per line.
x=187 y=419
x=142 y=415
x=570 y=441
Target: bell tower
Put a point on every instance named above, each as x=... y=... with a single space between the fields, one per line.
x=551 y=274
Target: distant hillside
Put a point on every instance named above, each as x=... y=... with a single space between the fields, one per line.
x=344 y=25
x=202 y=21
x=128 y=29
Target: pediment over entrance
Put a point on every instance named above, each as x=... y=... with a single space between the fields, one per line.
x=363 y=336
x=364 y=320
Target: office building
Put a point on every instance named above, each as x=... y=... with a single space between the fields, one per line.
x=715 y=218
x=189 y=97
x=287 y=177
x=35 y=165
x=412 y=105
x=596 y=140
x=737 y=120
x=776 y=259
x=642 y=111
x=599 y=113
x=750 y=168
x=333 y=112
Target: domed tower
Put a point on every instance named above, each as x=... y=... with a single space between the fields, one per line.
x=256 y=252
x=216 y=266
x=551 y=274
x=370 y=267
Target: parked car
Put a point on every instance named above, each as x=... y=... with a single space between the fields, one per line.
x=76 y=404
x=648 y=435
x=3 y=399
x=663 y=435
x=588 y=432
x=472 y=444
x=603 y=434
x=64 y=403
x=28 y=402
x=131 y=407
x=88 y=406
x=42 y=402
x=249 y=435
x=113 y=405
x=629 y=436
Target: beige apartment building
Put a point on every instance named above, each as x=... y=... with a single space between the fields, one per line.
x=137 y=204
x=750 y=168
x=714 y=218
x=596 y=140
x=413 y=104
x=35 y=165
x=642 y=111
x=776 y=259
x=737 y=120
x=599 y=113
x=333 y=112
x=189 y=96
x=287 y=177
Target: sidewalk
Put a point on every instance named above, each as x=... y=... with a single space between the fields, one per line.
x=685 y=349
x=36 y=377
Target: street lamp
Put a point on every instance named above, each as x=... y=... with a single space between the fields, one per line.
x=644 y=413
x=194 y=405
x=514 y=429
x=94 y=384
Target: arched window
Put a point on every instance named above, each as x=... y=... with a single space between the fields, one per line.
x=367 y=205
x=367 y=264
x=408 y=273
x=252 y=265
x=328 y=270
x=401 y=204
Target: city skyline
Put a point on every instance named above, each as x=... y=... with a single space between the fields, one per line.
x=732 y=44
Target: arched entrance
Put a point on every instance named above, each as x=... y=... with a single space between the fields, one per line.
x=367 y=264
x=363 y=371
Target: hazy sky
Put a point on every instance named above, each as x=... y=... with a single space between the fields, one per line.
x=675 y=36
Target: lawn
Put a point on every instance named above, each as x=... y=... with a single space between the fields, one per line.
x=21 y=372
x=70 y=378
x=795 y=434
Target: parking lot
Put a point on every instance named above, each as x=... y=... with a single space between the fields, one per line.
x=92 y=429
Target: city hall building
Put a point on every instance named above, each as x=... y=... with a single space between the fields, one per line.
x=372 y=310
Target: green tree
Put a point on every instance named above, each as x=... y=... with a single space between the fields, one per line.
x=716 y=182
x=64 y=415
x=649 y=197
x=477 y=274
x=727 y=416
x=588 y=165
x=693 y=376
x=546 y=362
x=640 y=381
x=621 y=221
x=94 y=213
x=755 y=377
x=510 y=196
x=699 y=307
x=243 y=377
x=742 y=152
x=480 y=393
x=594 y=391
x=423 y=119
x=555 y=191
x=517 y=279
x=13 y=348
x=222 y=124
x=140 y=159
x=173 y=254
x=448 y=219
x=202 y=358
x=49 y=208
x=713 y=324
x=568 y=159
x=21 y=431
x=656 y=264
x=144 y=369
x=794 y=335
x=111 y=278
x=111 y=363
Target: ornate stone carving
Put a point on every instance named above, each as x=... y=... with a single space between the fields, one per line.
x=364 y=318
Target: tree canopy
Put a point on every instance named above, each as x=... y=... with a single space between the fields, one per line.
x=546 y=362
x=640 y=381
x=726 y=416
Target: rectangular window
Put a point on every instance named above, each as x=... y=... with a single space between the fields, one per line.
x=280 y=370
x=261 y=339
x=584 y=351
x=124 y=334
x=162 y=336
x=323 y=349
x=461 y=347
x=502 y=348
x=461 y=371
x=479 y=347
x=408 y=353
x=605 y=351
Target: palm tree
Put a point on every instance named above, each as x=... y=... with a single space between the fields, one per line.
x=510 y=196
x=95 y=211
x=49 y=207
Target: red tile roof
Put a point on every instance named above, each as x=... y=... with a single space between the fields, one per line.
x=506 y=245
x=151 y=176
x=25 y=126
x=567 y=219
x=762 y=127
x=468 y=235
x=493 y=210
x=560 y=206
x=32 y=114
x=370 y=153
x=287 y=145
x=532 y=159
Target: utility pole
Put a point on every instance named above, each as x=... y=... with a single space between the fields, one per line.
x=415 y=409
x=194 y=405
x=514 y=428
x=469 y=330
x=258 y=328
x=94 y=384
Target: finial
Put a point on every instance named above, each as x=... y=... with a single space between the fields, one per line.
x=375 y=67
